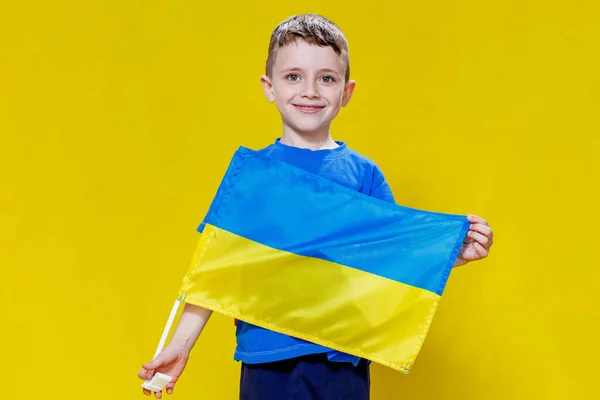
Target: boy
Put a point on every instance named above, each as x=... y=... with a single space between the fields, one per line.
x=308 y=77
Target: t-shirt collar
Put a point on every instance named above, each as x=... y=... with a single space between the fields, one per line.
x=297 y=152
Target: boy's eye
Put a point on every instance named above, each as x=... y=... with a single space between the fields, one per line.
x=292 y=77
x=328 y=79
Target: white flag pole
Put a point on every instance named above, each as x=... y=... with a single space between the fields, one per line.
x=159 y=381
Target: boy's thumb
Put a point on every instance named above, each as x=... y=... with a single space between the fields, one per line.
x=152 y=365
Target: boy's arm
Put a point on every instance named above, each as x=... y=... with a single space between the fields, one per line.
x=192 y=322
x=172 y=360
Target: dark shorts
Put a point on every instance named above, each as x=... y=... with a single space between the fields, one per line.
x=305 y=378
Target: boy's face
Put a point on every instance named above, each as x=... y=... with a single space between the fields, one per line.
x=307 y=84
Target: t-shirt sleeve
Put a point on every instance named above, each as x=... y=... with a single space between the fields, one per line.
x=380 y=188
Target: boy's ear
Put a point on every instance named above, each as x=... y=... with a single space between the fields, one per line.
x=348 y=90
x=267 y=88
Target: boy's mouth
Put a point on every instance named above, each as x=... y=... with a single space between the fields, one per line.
x=308 y=109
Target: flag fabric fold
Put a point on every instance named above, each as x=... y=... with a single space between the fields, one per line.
x=295 y=253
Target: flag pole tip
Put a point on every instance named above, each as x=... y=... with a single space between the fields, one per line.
x=157 y=383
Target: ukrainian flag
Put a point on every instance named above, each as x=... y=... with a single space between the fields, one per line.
x=297 y=254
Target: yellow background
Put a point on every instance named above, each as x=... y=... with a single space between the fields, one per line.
x=118 y=118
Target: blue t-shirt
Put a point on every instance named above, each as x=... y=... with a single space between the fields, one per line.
x=340 y=165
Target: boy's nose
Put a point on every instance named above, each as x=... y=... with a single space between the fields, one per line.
x=310 y=90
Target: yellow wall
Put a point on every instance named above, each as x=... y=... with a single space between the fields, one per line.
x=118 y=118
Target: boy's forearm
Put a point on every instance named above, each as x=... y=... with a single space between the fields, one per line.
x=192 y=322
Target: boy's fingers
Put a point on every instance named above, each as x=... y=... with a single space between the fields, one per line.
x=482 y=251
x=479 y=238
x=147 y=392
x=170 y=387
x=158 y=394
x=475 y=218
x=485 y=229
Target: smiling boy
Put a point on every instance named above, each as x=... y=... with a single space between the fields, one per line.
x=308 y=77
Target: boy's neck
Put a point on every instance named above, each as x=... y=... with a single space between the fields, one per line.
x=312 y=142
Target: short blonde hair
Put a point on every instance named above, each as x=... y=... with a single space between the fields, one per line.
x=312 y=28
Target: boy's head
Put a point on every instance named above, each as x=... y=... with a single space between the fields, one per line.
x=308 y=73
x=313 y=29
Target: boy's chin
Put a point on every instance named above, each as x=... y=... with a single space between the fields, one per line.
x=309 y=130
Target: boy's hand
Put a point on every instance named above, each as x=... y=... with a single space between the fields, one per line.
x=171 y=361
x=477 y=243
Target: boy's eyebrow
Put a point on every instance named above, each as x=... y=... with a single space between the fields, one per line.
x=330 y=70
x=321 y=70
